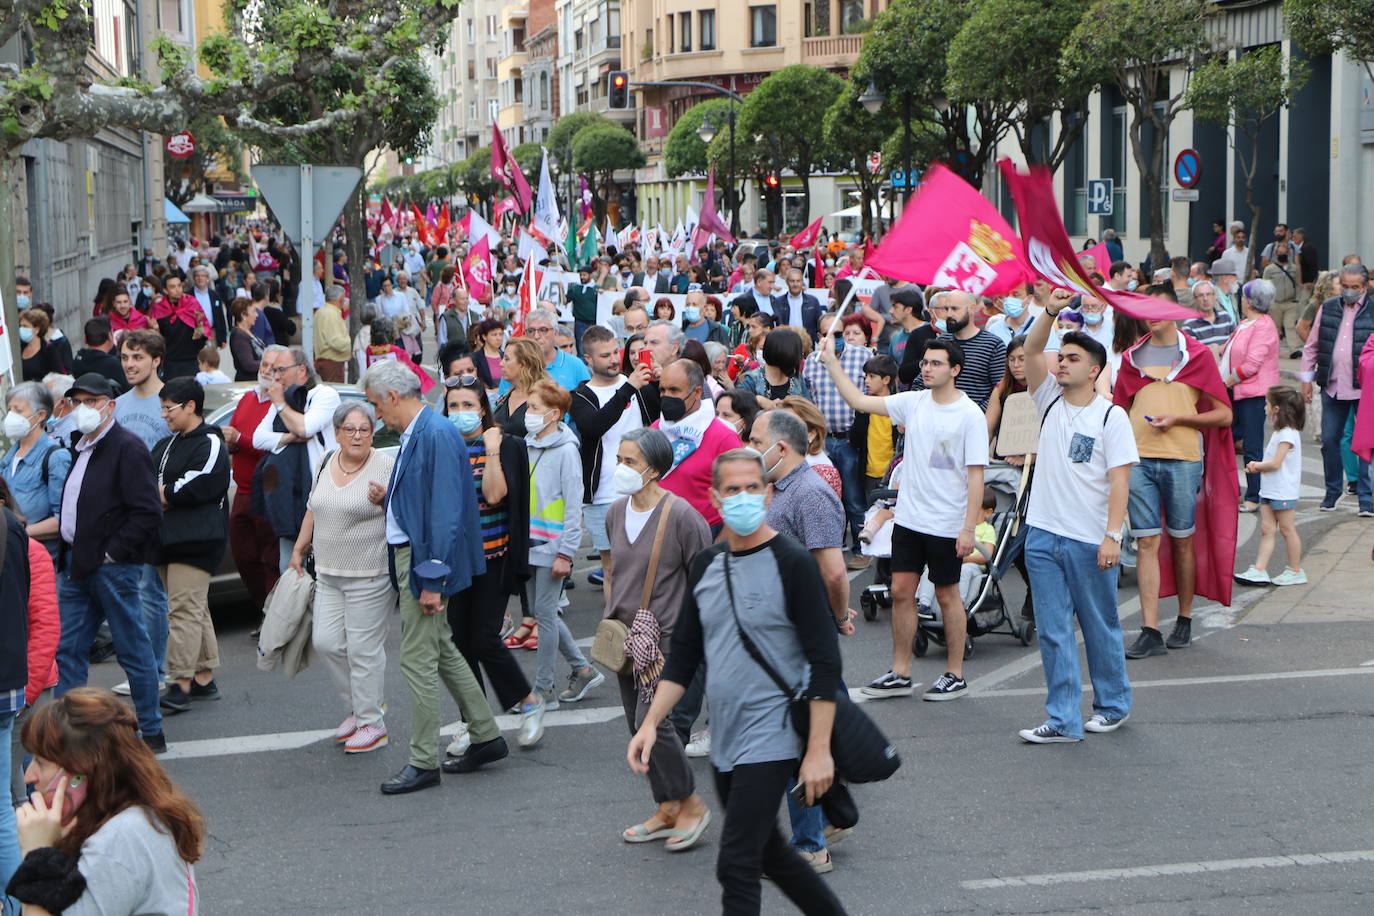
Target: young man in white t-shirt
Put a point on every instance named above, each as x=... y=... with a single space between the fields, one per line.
x=604 y=408
x=1073 y=542
x=938 y=504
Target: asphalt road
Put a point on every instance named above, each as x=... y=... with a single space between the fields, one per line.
x=1217 y=797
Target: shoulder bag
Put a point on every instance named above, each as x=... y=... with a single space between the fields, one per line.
x=859 y=748
x=608 y=649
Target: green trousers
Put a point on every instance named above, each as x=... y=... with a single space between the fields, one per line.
x=428 y=655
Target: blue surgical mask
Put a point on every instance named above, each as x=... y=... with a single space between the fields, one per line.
x=1192 y=281
x=743 y=512
x=939 y=325
x=1130 y=287
x=22 y=301
x=1092 y=318
x=25 y=334
x=1013 y=307
x=465 y=421
x=691 y=313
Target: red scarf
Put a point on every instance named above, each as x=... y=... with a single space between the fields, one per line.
x=187 y=310
x=1218 y=501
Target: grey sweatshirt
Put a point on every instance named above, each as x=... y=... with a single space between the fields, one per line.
x=133 y=867
x=555 y=496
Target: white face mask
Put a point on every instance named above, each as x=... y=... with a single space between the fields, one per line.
x=534 y=422
x=626 y=480
x=87 y=418
x=16 y=426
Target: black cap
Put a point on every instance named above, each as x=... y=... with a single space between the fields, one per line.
x=92 y=383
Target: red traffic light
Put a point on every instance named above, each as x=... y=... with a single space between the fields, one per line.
x=618 y=80
x=772 y=180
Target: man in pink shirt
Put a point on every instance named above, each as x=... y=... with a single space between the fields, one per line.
x=696 y=434
x=853 y=267
x=1342 y=326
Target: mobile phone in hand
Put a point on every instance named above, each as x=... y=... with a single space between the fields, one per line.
x=646 y=358
x=72 y=799
x=798 y=794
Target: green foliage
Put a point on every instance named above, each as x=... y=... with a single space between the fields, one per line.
x=858 y=26
x=528 y=157
x=474 y=174
x=906 y=50
x=851 y=134
x=788 y=108
x=565 y=131
x=1132 y=43
x=606 y=149
x=216 y=146
x=1327 y=26
x=683 y=151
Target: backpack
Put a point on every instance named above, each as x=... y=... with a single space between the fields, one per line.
x=281 y=481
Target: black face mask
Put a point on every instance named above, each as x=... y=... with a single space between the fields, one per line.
x=1282 y=259
x=673 y=409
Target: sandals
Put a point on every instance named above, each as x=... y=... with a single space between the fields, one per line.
x=517 y=639
x=688 y=838
x=640 y=833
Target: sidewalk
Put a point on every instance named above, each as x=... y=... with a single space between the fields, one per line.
x=1338 y=570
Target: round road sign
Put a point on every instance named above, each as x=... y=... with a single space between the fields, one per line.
x=1188 y=168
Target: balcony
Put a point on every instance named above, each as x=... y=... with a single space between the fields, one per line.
x=832 y=51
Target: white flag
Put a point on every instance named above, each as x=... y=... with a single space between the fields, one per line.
x=692 y=218
x=477 y=227
x=546 y=217
x=530 y=249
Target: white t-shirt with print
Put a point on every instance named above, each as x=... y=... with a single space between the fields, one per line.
x=942 y=441
x=1286 y=481
x=610 y=443
x=1078 y=446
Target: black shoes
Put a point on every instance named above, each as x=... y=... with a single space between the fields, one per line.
x=410 y=779
x=204 y=691
x=478 y=755
x=1182 y=635
x=175 y=699
x=157 y=742
x=1149 y=642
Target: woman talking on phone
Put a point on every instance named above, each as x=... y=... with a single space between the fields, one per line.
x=107 y=832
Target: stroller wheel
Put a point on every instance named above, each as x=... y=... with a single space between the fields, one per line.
x=869 y=605
x=1027 y=632
x=920 y=645
x=885 y=599
x=968 y=647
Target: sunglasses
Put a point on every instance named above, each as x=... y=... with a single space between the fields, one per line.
x=462 y=381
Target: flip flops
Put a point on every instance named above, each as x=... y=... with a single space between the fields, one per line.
x=688 y=838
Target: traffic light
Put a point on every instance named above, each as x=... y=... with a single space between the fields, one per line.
x=772 y=181
x=618 y=90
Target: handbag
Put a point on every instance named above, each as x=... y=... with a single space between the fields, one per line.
x=859 y=748
x=608 y=648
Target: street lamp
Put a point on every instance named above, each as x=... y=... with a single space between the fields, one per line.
x=707 y=131
x=872 y=99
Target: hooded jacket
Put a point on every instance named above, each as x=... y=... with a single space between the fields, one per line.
x=593 y=421
x=193 y=474
x=555 y=496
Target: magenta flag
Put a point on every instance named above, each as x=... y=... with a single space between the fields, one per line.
x=709 y=222
x=506 y=170
x=388 y=214
x=950 y=236
x=1050 y=253
x=807 y=237
x=1101 y=259
x=505 y=205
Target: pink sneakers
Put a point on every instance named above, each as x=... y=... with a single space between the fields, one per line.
x=366 y=738
x=346 y=729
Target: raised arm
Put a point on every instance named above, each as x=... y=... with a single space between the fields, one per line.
x=848 y=390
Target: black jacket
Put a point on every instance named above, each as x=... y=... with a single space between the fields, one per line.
x=193 y=473
x=593 y=421
x=14 y=606
x=221 y=323
x=117 y=510
x=661 y=282
x=858 y=440
x=516 y=570
x=102 y=363
x=810 y=313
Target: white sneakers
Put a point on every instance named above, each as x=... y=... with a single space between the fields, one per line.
x=700 y=745
x=461 y=741
x=1253 y=576
x=1290 y=577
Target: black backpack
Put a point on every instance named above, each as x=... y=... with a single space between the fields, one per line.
x=282 y=480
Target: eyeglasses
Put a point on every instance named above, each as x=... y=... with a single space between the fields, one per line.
x=168 y=408
x=356 y=431
x=538 y=332
x=461 y=381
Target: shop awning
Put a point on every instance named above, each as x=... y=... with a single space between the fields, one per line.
x=173 y=213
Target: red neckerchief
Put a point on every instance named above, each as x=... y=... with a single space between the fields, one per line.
x=187 y=310
x=1218 y=500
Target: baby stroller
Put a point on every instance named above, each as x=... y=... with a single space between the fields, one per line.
x=987 y=609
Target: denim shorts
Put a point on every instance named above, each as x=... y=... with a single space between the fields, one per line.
x=594 y=517
x=1279 y=505
x=1167 y=485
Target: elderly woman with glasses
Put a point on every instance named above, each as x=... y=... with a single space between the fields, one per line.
x=345 y=530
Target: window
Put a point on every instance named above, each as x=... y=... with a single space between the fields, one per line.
x=472 y=111
x=613 y=27
x=544 y=91
x=491 y=28
x=1075 y=187
x=706 y=22
x=472 y=69
x=684 y=29
x=851 y=11
x=579 y=40
x=668 y=21
x=491 y=68
x=1118 y=170
x=493 y=106
x=472 y=33
x=763 y=26
x=808 y=20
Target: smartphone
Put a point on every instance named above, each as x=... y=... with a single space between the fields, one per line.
x=72 y=799
x=646 y=358
x=798 y=794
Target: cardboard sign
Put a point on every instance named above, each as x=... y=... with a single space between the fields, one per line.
x=1020 y=430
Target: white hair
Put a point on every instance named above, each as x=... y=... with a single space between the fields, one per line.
x=389 y=375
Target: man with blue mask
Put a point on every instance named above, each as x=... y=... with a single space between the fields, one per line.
x=766 y=585
x=696 y=325
x=1016 y=312
x=23 y=293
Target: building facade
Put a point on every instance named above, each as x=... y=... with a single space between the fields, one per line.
x=542 y=105
x=467 y=82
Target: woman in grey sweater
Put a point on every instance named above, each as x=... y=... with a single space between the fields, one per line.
x=632 y=523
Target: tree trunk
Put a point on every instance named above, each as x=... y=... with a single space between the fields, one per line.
x=865 y=202
x=9 y=158
x=355 y=244
x=1248 y=168
x=1149 y=164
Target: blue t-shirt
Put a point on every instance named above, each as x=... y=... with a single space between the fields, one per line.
x=142 y=416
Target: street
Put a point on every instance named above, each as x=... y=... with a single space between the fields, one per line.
x=1246 y=756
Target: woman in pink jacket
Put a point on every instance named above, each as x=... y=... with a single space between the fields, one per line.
x=1250 y=366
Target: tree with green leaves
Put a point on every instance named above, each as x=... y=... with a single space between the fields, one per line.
x=1135 y=45
x=565 y=131
x=905 y=57
x=599 y=152
x=1243 y=93
x=1328 y=26
x=852 y=134
x=788 y=107
x=1023 y=76
x=684 y=152
x=528 y=156
x=473 y=175
x=216 y=147
x=750 y=162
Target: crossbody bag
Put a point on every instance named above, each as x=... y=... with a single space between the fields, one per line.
x=608 y=648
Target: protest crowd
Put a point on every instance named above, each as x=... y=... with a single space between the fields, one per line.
x=732 y=428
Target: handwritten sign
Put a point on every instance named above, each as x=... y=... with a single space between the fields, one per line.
x=1020 y=430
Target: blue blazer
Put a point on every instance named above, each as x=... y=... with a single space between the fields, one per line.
x=432 y=497
x=810 y=313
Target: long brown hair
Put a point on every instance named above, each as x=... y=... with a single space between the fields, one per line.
x=89 y=731
x=527 y=352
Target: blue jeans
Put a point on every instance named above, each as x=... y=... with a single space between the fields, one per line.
x=110 y=593
x=1248 y=426
x=1068 y=584
x=9 y=835
x=846 y=461
x=808 y=823
x=154 y=598
x=579 y=327
x=1170 y=484
x=1335 y=414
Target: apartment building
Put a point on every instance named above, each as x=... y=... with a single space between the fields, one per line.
x=542 y=103
x=589 y=42
x=466 y=78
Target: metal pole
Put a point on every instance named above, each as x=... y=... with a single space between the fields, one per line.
x=906 y=146
x=306 y=301
x=7 y=165
x=733 y=201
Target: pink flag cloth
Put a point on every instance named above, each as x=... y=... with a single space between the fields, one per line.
x=949 y=235
x=709 y=222
x=1102 y=259
x=1050 y=253
x=477 y=268
x=1362 y=443
x=505 y=205
x=807 y=237
x=431 y=215
x=507 y=171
